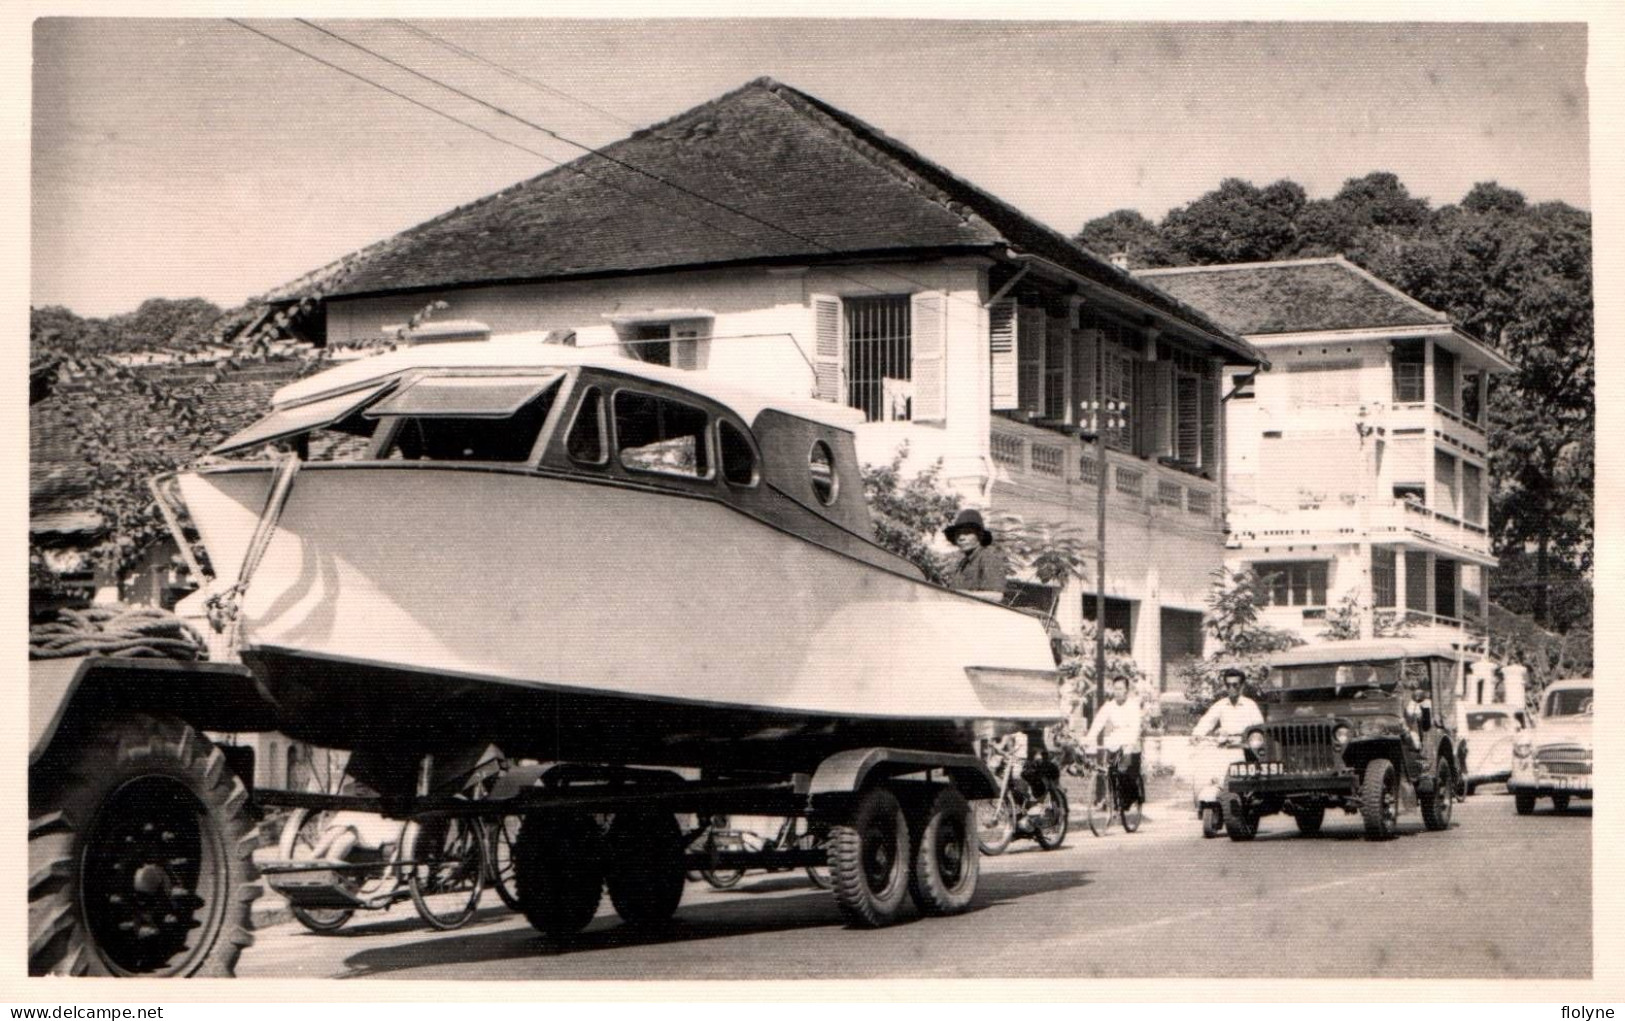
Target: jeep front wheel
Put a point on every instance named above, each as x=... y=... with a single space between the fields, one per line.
x=138 y=846
x=1379 y=800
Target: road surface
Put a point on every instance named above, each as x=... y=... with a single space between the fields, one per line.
x=1496 y=896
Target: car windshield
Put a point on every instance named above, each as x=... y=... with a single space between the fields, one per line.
x=1336 y=677
x=1570 y=702
x=1491 y=721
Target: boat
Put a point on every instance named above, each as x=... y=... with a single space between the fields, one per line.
x=579 y=556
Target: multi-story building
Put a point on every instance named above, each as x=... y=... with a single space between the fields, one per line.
x=1357 y=465
x=770 y=238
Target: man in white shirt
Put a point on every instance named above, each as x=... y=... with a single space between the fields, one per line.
x=1117 y=727
x=1230 y=715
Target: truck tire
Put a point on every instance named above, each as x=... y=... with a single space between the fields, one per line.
x=946 y=861
x=139 y=847
x=644 y=870
x=1524 y=803
x=1379 y=800
x=1560 y=803
x=558 y=869
x=1439 y=806
x=1240 y=824
x=1310 y=819
x=869 y=858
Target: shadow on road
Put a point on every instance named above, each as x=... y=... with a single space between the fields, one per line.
x=718 y=918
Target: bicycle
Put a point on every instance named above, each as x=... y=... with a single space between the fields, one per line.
x=441 y=865
x=1042 y=813
x=795 y=833
x=1107 y=802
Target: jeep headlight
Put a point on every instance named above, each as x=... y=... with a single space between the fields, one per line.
x=1342 y=735
x=1256 y=741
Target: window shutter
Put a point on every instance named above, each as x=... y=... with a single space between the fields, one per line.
x=1210 y=419
x=1157 y=392
x=1188 y=414
x=1083 y=370
x=929 y=342
x=1030 y=329
x=827 y=375
x=1001 y=344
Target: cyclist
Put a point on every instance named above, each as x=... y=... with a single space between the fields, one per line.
x=1231 y=715
x=1117 y=727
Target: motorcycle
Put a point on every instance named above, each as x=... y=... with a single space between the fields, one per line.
x=1210 y=761
x=1031 y=804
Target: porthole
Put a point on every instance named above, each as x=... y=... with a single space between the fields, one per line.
x=826 y=484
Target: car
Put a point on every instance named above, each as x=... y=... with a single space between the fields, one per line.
x=1488 y=734
x=1362 y=726
x=1554 y=760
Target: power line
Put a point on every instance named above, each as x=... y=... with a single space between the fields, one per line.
x=727 y=207
x=515 y=75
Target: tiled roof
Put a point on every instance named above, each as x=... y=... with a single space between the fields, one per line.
x=801 y=181
x=1297 y=296
x=59 y=481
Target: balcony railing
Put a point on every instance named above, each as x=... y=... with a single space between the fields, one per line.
x=1451 y=426
x=1068 y=466
x=1352 y=521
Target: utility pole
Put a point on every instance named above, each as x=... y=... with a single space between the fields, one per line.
x=1100 y=520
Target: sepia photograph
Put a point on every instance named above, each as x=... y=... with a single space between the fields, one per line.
x=847 y=498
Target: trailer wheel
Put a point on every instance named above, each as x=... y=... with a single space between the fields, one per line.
x=869 y=857
x=946 y=861
x=558 y=868
x=645 y=866
x=138 y=846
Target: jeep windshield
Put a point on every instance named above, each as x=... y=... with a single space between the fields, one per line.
x=1321 y=680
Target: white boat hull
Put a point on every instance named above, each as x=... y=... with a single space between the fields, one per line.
x=602 y=591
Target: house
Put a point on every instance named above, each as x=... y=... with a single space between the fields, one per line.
x=772 y=239
x=1358 y=464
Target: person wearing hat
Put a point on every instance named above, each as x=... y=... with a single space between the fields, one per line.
x=1232 y=714
x=981 y=569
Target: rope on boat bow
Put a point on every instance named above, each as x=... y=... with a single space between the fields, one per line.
x=224 y=607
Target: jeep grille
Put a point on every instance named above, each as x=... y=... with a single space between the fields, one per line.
x=1304 y=747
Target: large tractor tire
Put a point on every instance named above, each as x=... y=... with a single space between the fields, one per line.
x=1379 y=800
x=559 y=870
x=946 y=861
x=139 y=847
x=644 y=869
x=869 y=857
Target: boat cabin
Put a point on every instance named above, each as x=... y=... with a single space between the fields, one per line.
x=519 y=405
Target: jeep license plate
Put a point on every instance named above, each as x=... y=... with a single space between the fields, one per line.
x=1255 y=769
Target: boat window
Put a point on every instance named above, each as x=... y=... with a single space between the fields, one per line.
x=586 y=440
x=826 y=484
x=338 y=412
x=436 y=436
x=738 y=458
x=656 y=434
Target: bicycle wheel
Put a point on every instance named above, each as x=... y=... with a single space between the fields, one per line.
x=812 y=839
x=995 y=824
x=1101 y=810
x=299 y=837
x=1049 y=828
x=502 y=835
x=447 y=883
x=1132 y=809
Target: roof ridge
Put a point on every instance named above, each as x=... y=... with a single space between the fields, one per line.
x=1219 y=267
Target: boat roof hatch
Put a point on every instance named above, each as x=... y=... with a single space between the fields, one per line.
x=465 y=396
x=284 y=422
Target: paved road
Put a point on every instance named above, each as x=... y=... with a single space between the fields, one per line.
x=1498 y=896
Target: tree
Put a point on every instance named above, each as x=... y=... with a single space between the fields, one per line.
x=909 y=513
x=1238 y=222
x=1234 y=610
x=1127 y=231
